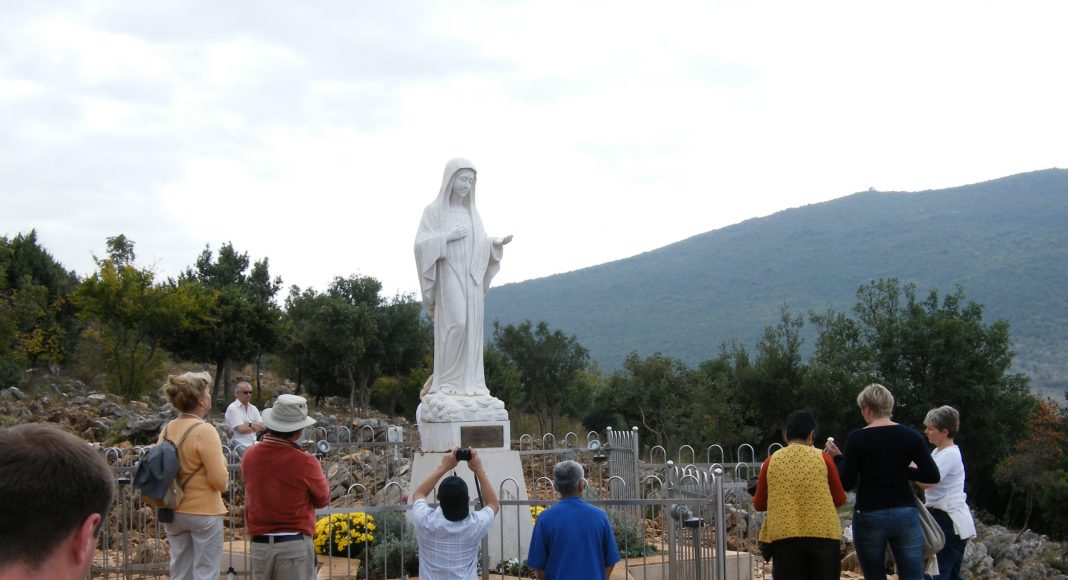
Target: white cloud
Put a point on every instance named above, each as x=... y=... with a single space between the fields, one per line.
x=313 y=134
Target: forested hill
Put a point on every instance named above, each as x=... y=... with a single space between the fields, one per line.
x=1004 y=241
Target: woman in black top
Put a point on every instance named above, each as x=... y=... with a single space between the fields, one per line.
x=878 y=461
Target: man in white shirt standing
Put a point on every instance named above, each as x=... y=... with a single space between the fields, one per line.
x=449 y=535
x=244 y=419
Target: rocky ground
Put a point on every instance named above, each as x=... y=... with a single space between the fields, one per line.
x=996 y=553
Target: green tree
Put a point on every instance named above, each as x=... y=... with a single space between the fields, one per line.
x=1037 y=471
x=549 y=364
x=346 y=338
x=673 y=404
x=38 y=324
x=350 y=313
x=403 y=346
x=770 y=388
x=399 y=395
x=121 y=249
x=502 y=377
x=841 y=361
x=132 y=314
x=295 y=332
x=929 y=352
x=405 y=337
x=247 y=319
x=717 y=413
x=652 y=393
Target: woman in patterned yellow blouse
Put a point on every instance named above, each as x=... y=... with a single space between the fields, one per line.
x=800 y=489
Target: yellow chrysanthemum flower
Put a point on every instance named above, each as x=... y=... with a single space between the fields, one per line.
x=344 y=534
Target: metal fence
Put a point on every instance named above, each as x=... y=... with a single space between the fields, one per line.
x=674 y=518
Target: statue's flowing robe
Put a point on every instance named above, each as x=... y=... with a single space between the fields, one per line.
x=454 y=278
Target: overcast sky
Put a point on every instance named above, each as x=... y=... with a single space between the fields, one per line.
x=313 y=133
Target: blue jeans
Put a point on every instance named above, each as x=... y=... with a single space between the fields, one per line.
x=952 y=554
x=900 y=528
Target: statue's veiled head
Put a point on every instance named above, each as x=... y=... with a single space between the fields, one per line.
x=453 y=169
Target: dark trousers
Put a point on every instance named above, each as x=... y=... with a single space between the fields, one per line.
x=952 y=554
x=806 y=559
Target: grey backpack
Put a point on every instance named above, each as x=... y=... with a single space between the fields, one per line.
x=156 y=474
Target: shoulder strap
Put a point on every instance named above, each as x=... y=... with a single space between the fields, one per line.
x=184 y=435
x=178 y=450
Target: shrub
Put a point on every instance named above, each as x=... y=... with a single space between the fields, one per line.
x=392 y=554
x=630 y=535
x=392 y=525
x=514 y=567
x=10 y=374
x=396 y=549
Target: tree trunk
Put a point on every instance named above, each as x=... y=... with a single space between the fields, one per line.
x=1008 y=505
x=218 y=378
x=352 y=389
x=1029 y=503
x=259 y=378
x=228 y=382
x=365 y=393
x=393 y=401
x=300 y=375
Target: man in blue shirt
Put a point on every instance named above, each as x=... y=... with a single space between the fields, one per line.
x=572 y=539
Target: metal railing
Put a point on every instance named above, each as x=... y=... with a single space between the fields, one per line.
x=674 y=519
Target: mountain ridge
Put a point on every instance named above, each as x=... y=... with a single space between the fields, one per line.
x=1001 y=240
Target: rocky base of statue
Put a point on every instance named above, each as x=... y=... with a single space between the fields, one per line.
x=442 y=408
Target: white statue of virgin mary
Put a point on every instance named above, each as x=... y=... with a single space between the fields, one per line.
x=456 y=262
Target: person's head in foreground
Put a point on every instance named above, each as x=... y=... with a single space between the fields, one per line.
x=55 y=490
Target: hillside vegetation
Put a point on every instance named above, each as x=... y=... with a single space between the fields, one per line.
x=1004 y=241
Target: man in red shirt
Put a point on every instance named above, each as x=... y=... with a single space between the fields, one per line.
x=283 y=486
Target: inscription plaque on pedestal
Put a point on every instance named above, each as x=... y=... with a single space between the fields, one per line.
x=482 y=436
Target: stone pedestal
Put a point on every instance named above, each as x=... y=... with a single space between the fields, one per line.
x=505 y=471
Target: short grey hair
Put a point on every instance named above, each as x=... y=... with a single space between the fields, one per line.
x=877 y=398
x=566 y=477
x=944 y=417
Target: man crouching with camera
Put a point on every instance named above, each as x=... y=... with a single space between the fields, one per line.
x=449 y=535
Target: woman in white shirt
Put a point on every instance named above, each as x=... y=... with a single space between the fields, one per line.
x=946 y=499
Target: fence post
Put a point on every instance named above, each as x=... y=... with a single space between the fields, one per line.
x=632 y=465
x=721 y=527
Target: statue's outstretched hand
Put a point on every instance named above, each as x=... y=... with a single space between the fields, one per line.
x=502 y=241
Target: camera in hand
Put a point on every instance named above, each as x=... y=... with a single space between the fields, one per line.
x=463 y=454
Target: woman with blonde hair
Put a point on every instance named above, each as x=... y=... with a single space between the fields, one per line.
x=196 y=531
x=946 y=499
x=878 y=461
